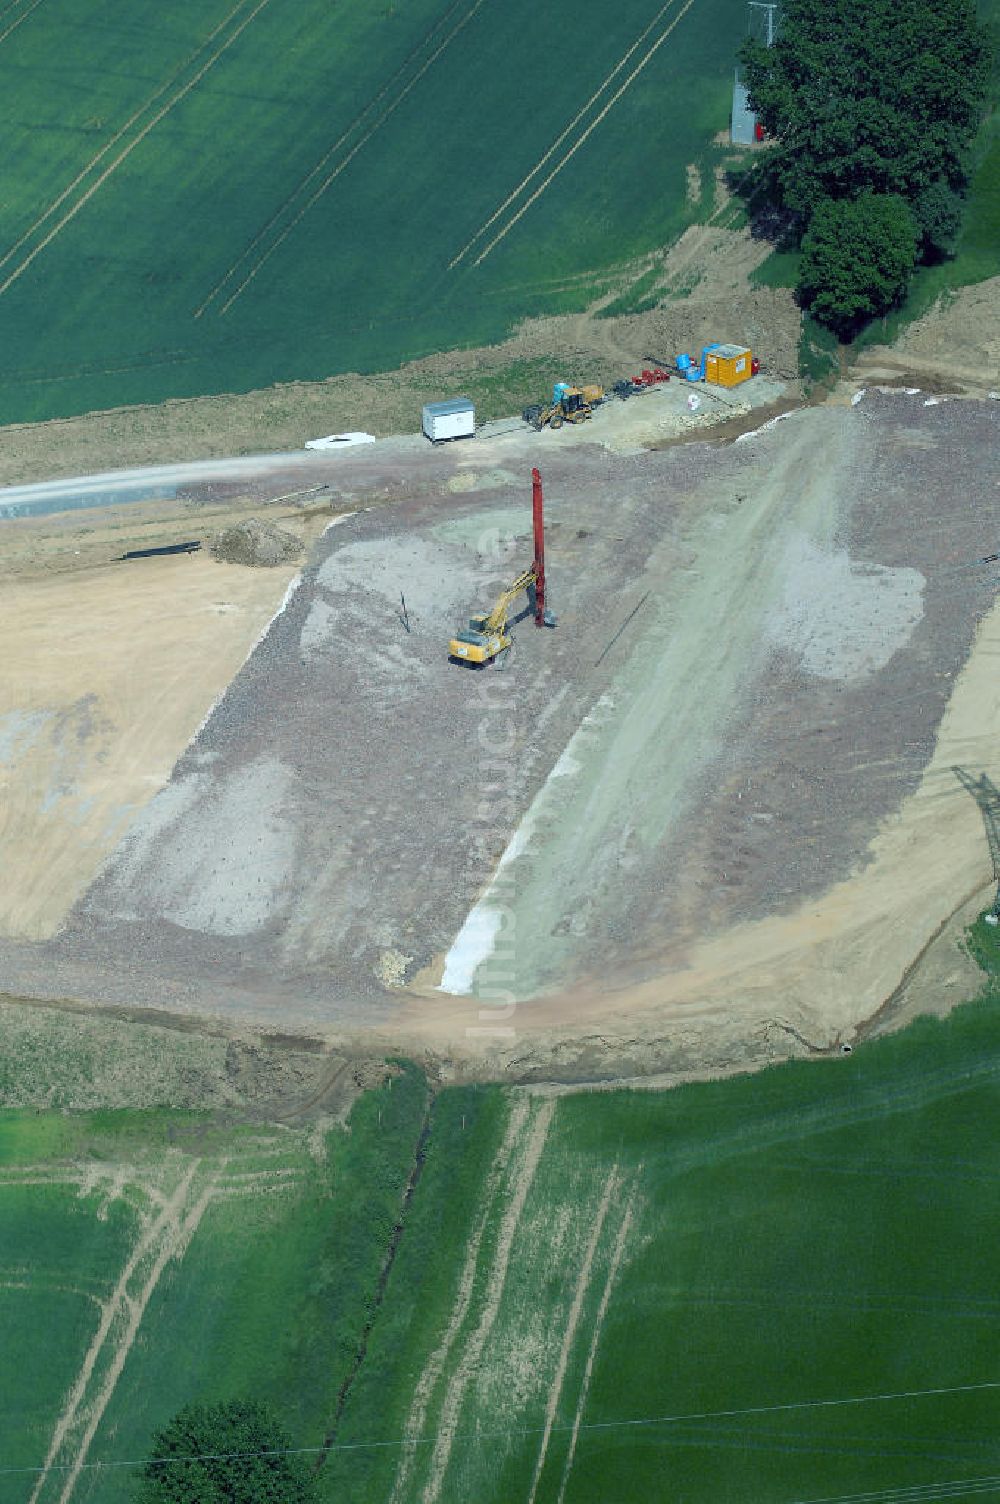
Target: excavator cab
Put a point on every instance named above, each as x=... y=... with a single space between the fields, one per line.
x=482 y=642
x=476 y=645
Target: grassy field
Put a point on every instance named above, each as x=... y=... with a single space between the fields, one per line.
x=220 y=195
x=780 y=1287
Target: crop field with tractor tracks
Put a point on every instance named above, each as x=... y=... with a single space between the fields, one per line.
x=740 y=1289
x=234 y=193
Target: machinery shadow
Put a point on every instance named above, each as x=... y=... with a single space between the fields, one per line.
x=986 y=794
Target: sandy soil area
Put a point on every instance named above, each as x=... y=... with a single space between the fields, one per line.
x=113 y=670
x=801 y=982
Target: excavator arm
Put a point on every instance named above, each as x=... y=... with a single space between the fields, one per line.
x=496 y=620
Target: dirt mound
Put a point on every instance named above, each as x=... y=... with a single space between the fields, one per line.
x=259 y=544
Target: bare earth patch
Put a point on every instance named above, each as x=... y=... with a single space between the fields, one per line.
x=956 y=343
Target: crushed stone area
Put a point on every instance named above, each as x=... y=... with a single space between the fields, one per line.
x=756 y=642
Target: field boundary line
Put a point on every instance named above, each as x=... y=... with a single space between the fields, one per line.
x=33 y=1176
x=22 y=18
x=327 y=181
x=561 y=137
x=172 y=1248
x=123 y=130
x=432 y=1370
x=584 y=135
x=469 y=1361
x=602 y=1311
x=375 y=100
x=111 y=1307
x=33 y=1285
x=137 y=141
x=579 y=1296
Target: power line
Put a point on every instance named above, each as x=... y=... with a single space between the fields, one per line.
x=919 y=1493
x=633 y=1422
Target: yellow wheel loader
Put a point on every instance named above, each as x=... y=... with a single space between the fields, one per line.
x=570 y=404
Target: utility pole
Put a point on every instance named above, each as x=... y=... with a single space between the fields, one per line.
x=538 y=527
x=768 y=27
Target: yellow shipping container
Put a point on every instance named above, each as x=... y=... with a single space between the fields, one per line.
x=728 y=365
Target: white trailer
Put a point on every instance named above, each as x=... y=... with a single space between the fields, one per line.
x=454 y=419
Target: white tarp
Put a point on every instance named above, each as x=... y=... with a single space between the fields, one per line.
x=340 y=440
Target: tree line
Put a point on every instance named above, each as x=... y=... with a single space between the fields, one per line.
x=872 y=106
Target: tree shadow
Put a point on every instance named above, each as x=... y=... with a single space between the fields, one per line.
x=757 y=187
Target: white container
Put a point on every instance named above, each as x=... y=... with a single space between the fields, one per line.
x=454 y=419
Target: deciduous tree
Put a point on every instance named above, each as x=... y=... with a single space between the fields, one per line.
x=234 y=1453
x=857 y=257
x=875 y=100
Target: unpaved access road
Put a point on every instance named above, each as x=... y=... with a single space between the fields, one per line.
x=756 y=645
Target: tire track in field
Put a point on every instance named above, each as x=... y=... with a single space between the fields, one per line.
x=85 y=198
x=156 y=1230
x=345 y=162
x=602 y=1311
x=290 y=199
x=431 y=1373
x=20 y=20
x=495 y=1283
x=118 y=136
x=584 y=135
x=173 y=1247
x=611 y=1185
x=561 y=137
x=123 y=131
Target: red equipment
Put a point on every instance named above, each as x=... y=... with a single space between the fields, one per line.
x=539 y=527
x=648 y=378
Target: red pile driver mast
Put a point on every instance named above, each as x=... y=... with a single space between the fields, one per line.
x=539 y=524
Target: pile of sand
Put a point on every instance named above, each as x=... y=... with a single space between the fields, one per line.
x=256 y=543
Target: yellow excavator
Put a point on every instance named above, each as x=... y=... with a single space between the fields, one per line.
x=487 y=636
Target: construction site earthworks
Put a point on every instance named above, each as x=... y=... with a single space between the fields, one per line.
x=499 y=901
x=711 y=818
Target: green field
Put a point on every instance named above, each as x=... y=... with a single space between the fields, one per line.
x=219 y=194
x=777 y=1288
x=229 y=1261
